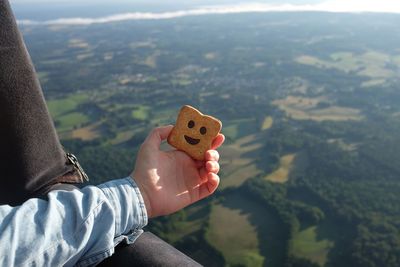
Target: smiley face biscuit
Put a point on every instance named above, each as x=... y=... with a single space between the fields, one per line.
x=194 y=132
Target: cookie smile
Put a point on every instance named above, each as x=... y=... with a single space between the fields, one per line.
x=191 y=141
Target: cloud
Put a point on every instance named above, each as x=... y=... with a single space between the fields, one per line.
x=348 y=6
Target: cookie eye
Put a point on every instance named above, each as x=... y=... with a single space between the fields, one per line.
x=203 y=130
x=191 y=124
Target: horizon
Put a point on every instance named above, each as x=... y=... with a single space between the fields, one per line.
x=172 y=11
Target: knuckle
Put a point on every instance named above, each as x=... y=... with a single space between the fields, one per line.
x=215 y=155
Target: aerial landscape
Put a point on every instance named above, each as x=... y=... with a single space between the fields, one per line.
x=310 y=106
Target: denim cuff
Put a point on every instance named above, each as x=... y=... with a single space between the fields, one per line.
x=142 y=206
x=128 y=204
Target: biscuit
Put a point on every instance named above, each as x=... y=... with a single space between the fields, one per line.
x=194 y=132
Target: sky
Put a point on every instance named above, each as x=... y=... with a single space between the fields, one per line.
x=156 y=1
x=180 y=8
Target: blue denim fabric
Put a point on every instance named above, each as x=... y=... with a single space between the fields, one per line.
x=72 y=228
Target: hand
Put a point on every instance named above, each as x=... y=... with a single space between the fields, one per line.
x=171 y=180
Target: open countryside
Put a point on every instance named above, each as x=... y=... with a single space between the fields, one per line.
x=309 y=169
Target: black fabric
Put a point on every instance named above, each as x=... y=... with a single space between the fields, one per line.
x=30 y=153
x=148 y=250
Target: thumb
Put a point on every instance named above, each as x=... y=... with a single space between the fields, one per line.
x=157 y=135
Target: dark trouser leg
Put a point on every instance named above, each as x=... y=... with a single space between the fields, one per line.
x=148 y=250
x=31 y=156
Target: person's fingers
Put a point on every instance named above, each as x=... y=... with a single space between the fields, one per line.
x=212 y=166
x=203 y=174
x=157 y=135
x=212 y=155
x=218 y=141
x=210 y=186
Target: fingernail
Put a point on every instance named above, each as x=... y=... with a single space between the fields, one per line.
x=213 y=154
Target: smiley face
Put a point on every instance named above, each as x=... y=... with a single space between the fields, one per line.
x=194 y=132
x=194 y=141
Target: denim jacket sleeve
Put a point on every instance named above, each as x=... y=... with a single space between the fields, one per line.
x=72 y=228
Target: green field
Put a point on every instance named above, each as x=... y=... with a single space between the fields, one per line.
x=141 y=112
x=181 y=81
x=237 y=241
x=307 y=244
x=267 y=123
x=373 y=82
x=87 y=133
x=306 y=108
x=210 y=55
x=371 y=64
x=78 y=43
x=151 y=60
x=238 y=161
x=281 y=175
x=71 y=120
x=67 y=117
x=245 y=232
x=122 y=136
x=58 y=107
